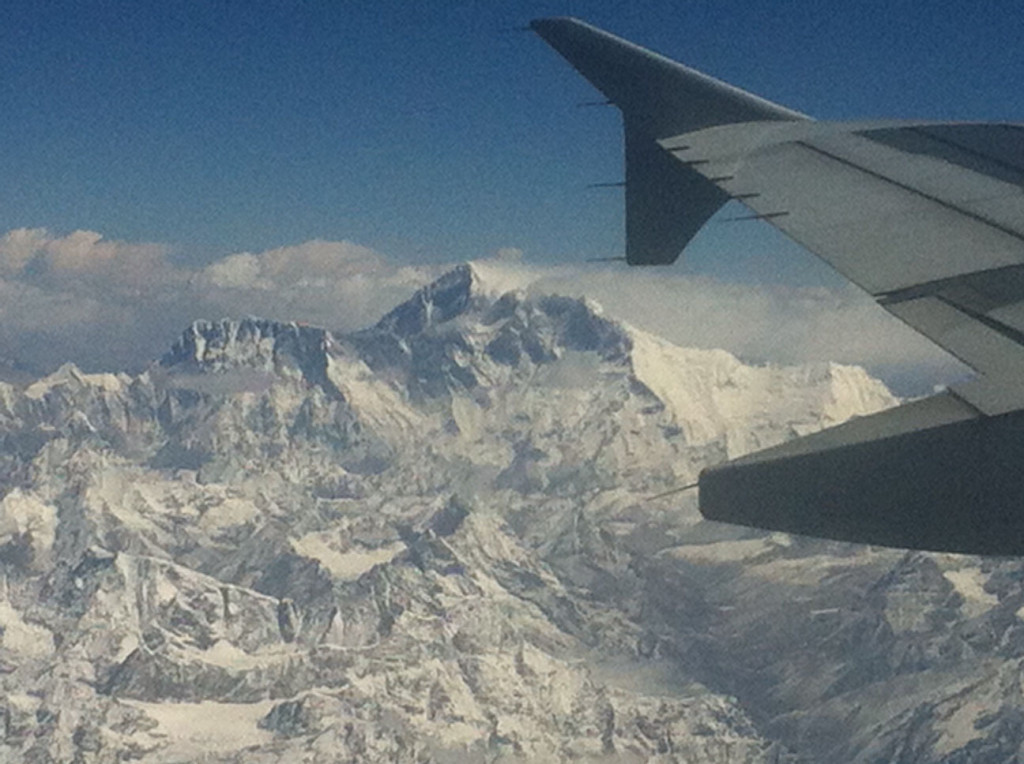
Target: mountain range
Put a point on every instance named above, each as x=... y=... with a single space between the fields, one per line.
x=452 y=537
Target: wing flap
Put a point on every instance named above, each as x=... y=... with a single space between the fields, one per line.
x=1005 y=211
x=980 y=344
x=919 y=172
x=1011 y=316
x=992 y=149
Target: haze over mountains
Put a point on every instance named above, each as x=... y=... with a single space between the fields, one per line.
x=433 y=540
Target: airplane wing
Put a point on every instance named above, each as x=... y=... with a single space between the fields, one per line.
x=926 y=216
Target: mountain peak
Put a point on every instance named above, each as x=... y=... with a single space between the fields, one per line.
x=251 y=343
x=441 y=300
x=466 y=286
x=492 y=278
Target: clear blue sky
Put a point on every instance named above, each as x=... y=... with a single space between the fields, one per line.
x=426 y=130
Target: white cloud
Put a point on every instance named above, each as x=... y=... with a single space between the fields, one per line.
x=78 y=259
x=109 y=304
x=241 y=271
x=784 y=324
x=314 y=263
x=17 y=248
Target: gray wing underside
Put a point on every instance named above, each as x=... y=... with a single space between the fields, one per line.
x=927 y=217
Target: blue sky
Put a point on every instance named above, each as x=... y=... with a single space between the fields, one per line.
x=428 y=130
x=316 y=161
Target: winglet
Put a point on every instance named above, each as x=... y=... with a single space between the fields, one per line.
x=667 y=202
x=657 y=94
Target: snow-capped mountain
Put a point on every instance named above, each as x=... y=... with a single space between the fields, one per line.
x=433 y=540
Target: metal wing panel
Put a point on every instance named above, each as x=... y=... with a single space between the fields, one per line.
x=926 y=475
x=878 y=233
x=977 y=343
x=996 y=150
x=1006 y=211
x=924 y=216
x=1011 y=316
x=738 y=140
x=933 y=175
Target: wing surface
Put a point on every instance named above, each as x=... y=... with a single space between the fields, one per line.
x=927 y=217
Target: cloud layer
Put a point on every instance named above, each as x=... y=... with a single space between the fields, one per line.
x=116 y=305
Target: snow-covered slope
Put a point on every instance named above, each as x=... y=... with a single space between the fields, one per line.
x=433 y=540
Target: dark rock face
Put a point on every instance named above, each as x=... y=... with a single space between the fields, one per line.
x=253 y=343
x=433 y=541
x=439 y=302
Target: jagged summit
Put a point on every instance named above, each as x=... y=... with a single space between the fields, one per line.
x=468 y=286
x=441 y=300
x=70 y=376
x=472 y=301
x=463 y=332
x=434 y=342
x=457 y=338
x=253 y=344
x=485 y=295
